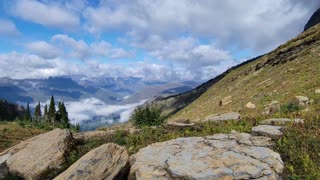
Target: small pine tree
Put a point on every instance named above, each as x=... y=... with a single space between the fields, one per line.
x=52 y=111
x=45 y=113
x=27 y=115
x=62 y=115
x=37 y=112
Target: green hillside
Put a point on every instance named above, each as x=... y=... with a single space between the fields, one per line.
x=293 y=69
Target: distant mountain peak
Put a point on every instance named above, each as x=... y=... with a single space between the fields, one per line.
x=314 y=20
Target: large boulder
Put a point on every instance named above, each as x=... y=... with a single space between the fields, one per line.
x=223 y=117
x=39 y=155
x=221 y=156
x=108 y=161
x=267 y=130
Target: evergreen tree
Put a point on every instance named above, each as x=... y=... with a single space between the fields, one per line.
x=37 y=112
x=27 y=115
x=52 y=111
x=62 y=115
x=45 y=113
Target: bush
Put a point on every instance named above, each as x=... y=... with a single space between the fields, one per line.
x=290 y=107
x=147 y=116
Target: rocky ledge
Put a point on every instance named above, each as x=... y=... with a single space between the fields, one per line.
x=221 y=156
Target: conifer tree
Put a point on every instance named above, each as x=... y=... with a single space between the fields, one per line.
x=45 y=113
x=37 y=112
x=62 y=115
x=52 y=111
x=27 y=115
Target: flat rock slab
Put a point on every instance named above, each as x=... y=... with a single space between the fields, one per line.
x=268 y=130
x=224 y=117
x=108 y=161
x=280 y=121
x=221 y=156
x=180 y=124
x=33 y=158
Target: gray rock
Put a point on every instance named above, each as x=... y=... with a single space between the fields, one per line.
x=221 y=156
x=33 y=158
x=272 y=108
x=300 y=100
x=109 y=161
x=180 y=124
x=317 y=91
x=267 y=130
x=224 y=117
x=280 y=121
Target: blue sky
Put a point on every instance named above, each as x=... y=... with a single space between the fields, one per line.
x=161 y=39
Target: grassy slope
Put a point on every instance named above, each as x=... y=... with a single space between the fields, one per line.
x=292 y=69
x=11 y=134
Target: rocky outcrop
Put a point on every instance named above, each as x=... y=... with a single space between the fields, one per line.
x=317 y=91
x=267 y=130
x=314 y=20
x=223 y=117
x=109 y=161
x=221 y=156
x=280 y=121
x=39 y=155
x=300 y=101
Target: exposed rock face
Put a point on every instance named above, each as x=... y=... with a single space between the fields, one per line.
x=280 y=121
x=300 y=100
x=267 y=130
x=109 y=161
x=314 y=20
x=221 y=156
x=33 y=158
x=250 y=105
x=224 y=117
x=317 y=91
x=225 y=101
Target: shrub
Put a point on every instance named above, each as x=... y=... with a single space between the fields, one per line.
x=290 y=107
x=147 y=116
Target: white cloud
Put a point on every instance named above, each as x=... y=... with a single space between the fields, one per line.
x=260 y=25
x=46 y=13
x=22 y=66
x=8 y=27
x=44 y=49
x=86 y=109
